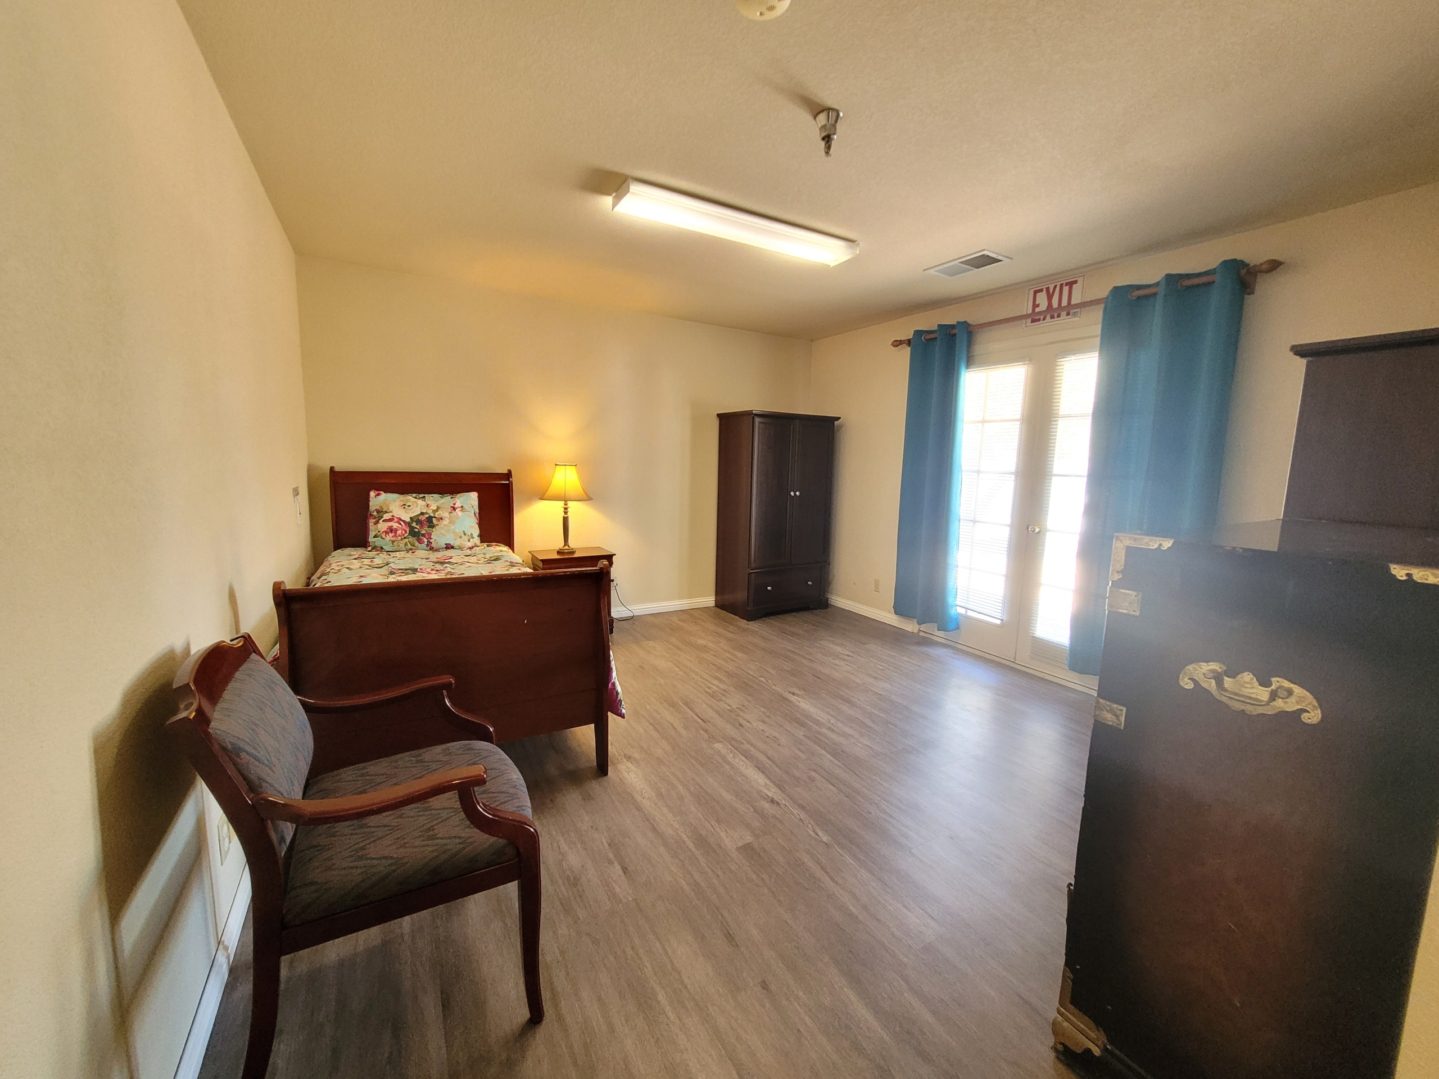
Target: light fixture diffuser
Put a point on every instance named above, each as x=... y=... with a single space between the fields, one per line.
x=638 y=199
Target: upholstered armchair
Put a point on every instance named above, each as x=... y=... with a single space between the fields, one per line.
x=346 y=810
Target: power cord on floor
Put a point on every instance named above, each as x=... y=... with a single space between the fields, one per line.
x=616 y=586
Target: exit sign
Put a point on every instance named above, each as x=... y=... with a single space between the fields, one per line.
x=1048 y=302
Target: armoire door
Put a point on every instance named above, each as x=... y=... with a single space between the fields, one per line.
x=812 y=460
x=770 y=493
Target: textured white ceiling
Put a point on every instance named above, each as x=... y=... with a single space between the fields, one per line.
x=481 y=140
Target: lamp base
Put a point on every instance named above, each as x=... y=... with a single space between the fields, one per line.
x=564 y=547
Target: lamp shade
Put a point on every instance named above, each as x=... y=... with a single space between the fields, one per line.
x=565 y=486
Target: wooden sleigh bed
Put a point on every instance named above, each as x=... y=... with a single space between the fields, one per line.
x=529 y=651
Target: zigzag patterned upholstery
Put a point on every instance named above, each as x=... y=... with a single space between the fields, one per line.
x=336 y=867
x=260 y=723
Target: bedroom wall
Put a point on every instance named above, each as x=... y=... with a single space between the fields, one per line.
x=1366 y=268
x=412 y=372
x=151 y=413
x=1363 y=269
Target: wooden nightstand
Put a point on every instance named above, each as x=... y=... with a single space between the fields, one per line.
x=583 y=558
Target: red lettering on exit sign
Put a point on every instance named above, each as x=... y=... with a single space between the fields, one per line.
x=1049 y=302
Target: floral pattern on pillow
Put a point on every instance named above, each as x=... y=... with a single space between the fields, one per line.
x=404 y=522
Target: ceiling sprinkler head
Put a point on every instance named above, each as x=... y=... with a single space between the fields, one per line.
x=827 y=120
x=762 y=10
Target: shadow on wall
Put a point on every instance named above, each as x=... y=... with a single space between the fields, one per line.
x=141 y=784
x=140 y=779
x=698 y=518
x=318 y=477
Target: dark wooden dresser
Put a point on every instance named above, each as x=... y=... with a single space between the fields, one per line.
x=776 y=477
x=1261 y=805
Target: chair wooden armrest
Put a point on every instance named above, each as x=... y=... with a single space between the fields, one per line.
x=354 y=806
x=366 y=727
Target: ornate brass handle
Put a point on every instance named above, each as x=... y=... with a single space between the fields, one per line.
x=1243 y=693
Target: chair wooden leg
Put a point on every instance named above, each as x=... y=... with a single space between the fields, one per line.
x=264 y=1002
x=521 y=831
x=530 y=932
x=602 y=743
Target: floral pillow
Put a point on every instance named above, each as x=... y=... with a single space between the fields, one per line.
x=424 y=522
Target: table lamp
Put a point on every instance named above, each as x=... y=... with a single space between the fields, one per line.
x=565 y=487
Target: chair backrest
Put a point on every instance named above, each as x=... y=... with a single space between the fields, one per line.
x=246 y=734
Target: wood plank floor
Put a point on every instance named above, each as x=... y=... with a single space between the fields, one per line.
x=826 y=847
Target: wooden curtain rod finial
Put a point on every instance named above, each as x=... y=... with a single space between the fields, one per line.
x=1249 y=275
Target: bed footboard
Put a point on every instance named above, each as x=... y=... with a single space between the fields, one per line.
x=529 y=652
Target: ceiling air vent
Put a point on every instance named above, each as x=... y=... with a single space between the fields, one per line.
x=967 y=263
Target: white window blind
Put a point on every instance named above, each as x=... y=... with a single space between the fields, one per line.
x=989 y=459
x=1068 y=467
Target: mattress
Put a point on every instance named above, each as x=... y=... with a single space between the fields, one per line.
x=360 y=565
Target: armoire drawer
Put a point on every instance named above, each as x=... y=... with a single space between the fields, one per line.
x=791 y=585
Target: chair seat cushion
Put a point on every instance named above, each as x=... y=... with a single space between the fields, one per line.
x=337 y=867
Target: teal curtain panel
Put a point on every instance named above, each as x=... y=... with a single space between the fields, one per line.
x=925 y=571
x=1161 y=411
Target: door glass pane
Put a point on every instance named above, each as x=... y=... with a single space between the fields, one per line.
x=994 y=497
x=989 y=458
x=1068 y=466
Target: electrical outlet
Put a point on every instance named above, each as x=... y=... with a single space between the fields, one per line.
x=225 y=838
x=876 y=584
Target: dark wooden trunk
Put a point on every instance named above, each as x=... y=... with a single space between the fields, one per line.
x=1261 y=813
x=776 y=475
x=1249 y=887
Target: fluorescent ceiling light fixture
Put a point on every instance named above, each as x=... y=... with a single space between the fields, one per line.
x=698 y=215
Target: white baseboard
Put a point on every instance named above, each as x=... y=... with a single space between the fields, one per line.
x=910 y=626
x=671 y=605
x=888 y=617
x=1058 y=680
x=208 y=1009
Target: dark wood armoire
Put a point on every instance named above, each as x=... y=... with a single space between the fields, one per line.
x=1261 y=805
x=776 y=479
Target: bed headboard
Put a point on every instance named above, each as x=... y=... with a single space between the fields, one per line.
x=350 y=500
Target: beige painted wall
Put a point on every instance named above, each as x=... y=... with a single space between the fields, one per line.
x=414 y=372
x=1367 y=268
x=151 y=419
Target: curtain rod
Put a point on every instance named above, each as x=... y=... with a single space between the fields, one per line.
x=1249 y=275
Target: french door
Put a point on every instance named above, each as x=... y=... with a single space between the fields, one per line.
x=1027 y=403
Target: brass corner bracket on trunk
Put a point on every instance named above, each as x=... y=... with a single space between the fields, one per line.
x=1109 y=713
x=1123 y=601
x=1073 y=1030
x=1417 y=574
x=1125 y=540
